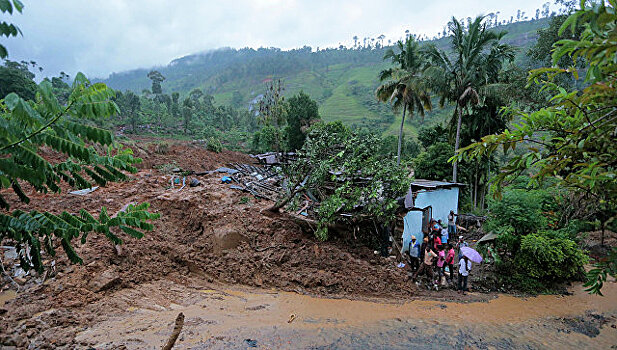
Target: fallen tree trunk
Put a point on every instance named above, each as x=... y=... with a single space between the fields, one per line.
x=297 y=188
x=176 y=332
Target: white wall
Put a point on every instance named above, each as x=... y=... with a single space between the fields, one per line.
x=412 y=227
x=441 y=200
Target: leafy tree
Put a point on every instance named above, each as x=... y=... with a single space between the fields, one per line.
x=130 y=106
x=272 y=106
x=62 y=90
x=389 y=147
x=26 y=127
x=344 y=169
x=573 y=140
x=547 y=37
x=467 y=77
x=402 y=85
x=432 y=135
x=8 y=29
x=195 y=95
x=301 y=112
x=157 y=78
x=14 y=80
x=433 y=163
x=175 y=105
x=237 y=99
x=267 y=139
x=187 y=114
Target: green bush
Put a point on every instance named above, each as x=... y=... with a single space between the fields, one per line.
x=433 y=163
x=268 y=139
x=536 y=262
x=214 y=145
x=520 y=209
x=548 y=257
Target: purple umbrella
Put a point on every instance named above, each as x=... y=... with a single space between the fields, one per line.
x=471 y=254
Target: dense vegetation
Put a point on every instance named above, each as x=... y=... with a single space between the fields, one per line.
x=572 y=140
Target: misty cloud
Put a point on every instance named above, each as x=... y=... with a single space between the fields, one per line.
x=100 y=37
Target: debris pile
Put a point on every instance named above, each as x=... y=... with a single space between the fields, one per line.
x=261 y=182
x=275 y=158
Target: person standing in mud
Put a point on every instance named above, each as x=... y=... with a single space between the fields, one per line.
x=441 y=263
x=423 y=247
x=463 y=272
x=450 y=262
x=427 y=264
x=452 y=224
x=414 y=254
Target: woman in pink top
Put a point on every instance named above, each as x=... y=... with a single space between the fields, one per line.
x=450 y=261
x=441 y=261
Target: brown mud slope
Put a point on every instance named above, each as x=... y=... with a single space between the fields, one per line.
x=204 y=233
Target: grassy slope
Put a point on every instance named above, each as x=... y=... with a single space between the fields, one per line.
x=333 y=88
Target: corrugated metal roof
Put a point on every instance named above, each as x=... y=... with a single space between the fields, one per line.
x=433 y=184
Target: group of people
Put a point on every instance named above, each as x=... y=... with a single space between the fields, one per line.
x=436 y=255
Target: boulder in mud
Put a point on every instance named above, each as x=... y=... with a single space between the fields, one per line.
x=226 y=238
x=103 y=281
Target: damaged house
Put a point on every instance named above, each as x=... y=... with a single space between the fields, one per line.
x=428 y=199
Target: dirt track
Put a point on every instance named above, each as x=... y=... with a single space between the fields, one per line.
x=237 y=318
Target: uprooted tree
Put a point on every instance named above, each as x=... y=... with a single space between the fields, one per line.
x=26 y=127
x=344 y=175
x=573 y=140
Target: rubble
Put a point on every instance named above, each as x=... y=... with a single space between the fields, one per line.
x=261 y=182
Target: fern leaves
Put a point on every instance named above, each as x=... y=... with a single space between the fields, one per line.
x=25 y=127
x=28 y=125
x=34 y=227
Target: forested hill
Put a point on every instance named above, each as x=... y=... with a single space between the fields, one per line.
x=342 y=80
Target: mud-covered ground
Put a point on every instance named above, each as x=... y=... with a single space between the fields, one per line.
x=208 y=239
x=207 y=232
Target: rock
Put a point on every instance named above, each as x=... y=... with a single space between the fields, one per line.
x=104 y=281
x=226 y=238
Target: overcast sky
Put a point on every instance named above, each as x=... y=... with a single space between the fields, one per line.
x=101 y=37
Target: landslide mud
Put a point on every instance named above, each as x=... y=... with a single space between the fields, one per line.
x=206 y=232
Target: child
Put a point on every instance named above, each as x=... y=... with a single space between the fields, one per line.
x=463 y=273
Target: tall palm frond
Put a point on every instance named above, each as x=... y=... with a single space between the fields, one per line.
x=476 y=62
x=401 y=86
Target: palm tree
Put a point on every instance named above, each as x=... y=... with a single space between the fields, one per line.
x=471 y=73
x=402 y=85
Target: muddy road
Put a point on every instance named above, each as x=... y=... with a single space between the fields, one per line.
x=222 y=318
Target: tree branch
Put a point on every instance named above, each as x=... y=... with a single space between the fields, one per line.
x=53 y=121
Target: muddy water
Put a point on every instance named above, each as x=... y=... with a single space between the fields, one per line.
x=239 y=319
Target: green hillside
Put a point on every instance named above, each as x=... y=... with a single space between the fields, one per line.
x=342 y=81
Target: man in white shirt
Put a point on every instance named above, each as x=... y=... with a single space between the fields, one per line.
x=463 y=273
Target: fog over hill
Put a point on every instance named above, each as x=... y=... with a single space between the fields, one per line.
x=342 y=80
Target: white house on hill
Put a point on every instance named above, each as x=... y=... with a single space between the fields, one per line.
x=428 y=199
